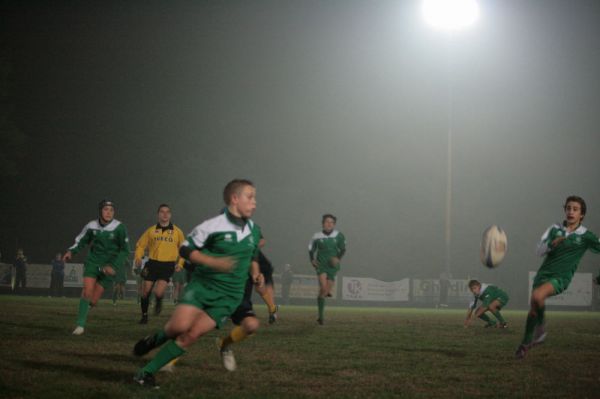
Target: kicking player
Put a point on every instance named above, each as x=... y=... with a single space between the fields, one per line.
x=225 y=249
x=163 y=241
x=109 y=247
x=325 y=251
x=492 y=299
x=563 y=246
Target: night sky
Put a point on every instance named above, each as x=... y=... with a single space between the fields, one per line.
x=328 y=106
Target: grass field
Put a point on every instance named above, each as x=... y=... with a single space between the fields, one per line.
x=359 y=353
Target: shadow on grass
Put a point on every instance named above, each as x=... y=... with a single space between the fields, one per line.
x=95 y=373
x=447 y=352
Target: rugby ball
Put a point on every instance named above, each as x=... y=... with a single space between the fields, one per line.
x=493 y=246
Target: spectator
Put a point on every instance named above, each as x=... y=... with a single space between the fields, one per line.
x=287 y=277
x=58 y=275
x=20 y=265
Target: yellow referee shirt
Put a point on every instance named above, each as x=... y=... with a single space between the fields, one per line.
x=162 y=242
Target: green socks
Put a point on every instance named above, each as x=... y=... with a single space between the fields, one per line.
x=498 y=316
x=167 y=353
x=84 y=308
x=321 y=303
x=486 y=318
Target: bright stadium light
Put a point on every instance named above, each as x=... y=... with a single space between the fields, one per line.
x=450 y=15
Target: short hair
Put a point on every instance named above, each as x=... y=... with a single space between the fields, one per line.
x=162 y=206
x=328 y=216
x=579 y=200
x=234 y=187
x=473 y=283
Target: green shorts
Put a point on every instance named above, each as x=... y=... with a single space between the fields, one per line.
x=94 y=270
x=180 y=277
x=330 y=271
x=218 y=304
x=560 y=284
x=502 y=297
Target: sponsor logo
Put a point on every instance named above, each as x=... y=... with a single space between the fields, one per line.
x=228 y=237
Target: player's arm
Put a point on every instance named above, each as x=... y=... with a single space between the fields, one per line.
x=549 y=241
x=140 y=247
x=312 y=250
x=472 y=307
x=119 y=259
x=81 y=241
x=180 y=263
x=190 y=250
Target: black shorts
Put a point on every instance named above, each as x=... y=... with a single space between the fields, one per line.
x=266 y=268
x=245 y=309
x=157 y=270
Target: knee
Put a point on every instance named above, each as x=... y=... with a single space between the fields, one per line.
x=250 y=325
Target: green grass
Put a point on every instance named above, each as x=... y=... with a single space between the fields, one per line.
x=358 y=353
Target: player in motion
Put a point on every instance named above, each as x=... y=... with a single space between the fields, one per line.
x=326 y=249
x=563 y=246
x=109 y=247
x=492 y=299
x=162 y=241
x=224 y=249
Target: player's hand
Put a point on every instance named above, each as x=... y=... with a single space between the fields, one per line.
x=467 y=323
x=334 y=261
x=108 y=270
x=315 y=263
x=67 y=256
x=138 y=263
x=556 y=242
x=223 y=264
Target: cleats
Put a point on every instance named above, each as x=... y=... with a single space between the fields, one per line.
x=78 y=330
x=226 y=356
x=144 y=346
x=522 y=351
x=273 y=316
x=146 y=380
x=144 y=319
x=490 y=325
x=539 y=335
x=503 y=325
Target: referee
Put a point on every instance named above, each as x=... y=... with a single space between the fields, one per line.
x=162 y=241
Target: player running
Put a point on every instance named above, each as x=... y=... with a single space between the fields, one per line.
x=325 y=251
x=163 y=241
x=492 y=299
x=224 y=249
x=109 y=247
x=563 y=246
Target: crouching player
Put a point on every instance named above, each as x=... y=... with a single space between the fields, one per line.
x=224 y=249
x=492 y=299
x=563 y=246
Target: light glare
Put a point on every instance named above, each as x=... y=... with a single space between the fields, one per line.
x=450 y=15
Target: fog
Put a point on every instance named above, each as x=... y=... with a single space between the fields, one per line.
x=328 y=106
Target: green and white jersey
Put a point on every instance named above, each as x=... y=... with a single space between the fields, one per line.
x=323 y=247
x=562 y=260
x=221 y=236
x=487 y=295
x=109 y=244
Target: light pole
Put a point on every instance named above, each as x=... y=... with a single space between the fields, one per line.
x=449 y=16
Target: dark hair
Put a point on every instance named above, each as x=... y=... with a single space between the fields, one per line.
x=162 y=206
x=234 y=187
x=473 y=283
x=579 y=200
x=328 y=216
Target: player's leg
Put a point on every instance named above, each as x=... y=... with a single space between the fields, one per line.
x=494 y=308
x=159 y=291
x=84 y=304
x=185 y=326
x=247 y=327
x=266 y=292
x=535 y=318
x=488 y=321
x=145 y=299
x=323 y=291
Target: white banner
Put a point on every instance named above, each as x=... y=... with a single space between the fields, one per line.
x=369 y=289
x=73 y=275
x=579 y=292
